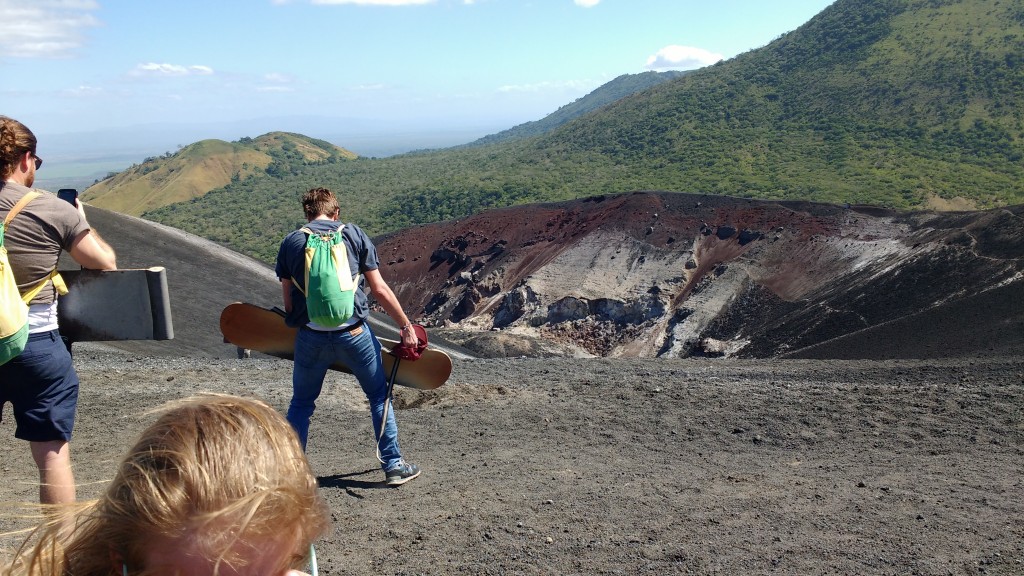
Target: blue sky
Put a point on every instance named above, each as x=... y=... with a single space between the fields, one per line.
x=413 y=65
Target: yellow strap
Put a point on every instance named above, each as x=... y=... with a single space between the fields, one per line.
x=58 y=282
x=30 y=196
x=305 y=257
x=307 y=230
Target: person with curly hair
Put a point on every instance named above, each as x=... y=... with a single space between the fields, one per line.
x=41 y=383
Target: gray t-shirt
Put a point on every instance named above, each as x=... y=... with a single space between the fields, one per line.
x=36 y=236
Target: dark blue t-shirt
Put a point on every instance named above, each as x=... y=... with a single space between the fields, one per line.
x=291 y=265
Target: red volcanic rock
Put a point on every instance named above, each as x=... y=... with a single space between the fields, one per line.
x=654 y=275
x=662 y=274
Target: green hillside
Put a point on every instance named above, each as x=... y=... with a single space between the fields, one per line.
x=206 y=165
x=900 y=103
x=617 y=89
x=891 y=103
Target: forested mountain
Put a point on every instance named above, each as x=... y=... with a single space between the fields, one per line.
x=894 y=102
x=617 y=89
x=899 y=103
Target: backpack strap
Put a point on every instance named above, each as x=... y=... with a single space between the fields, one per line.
x=58 y=284
x=32 y=194
x=58 y=281
x=310 y=232
x=355 y=279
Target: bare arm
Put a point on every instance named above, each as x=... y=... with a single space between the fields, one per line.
x=387 y=299
x=92 y=252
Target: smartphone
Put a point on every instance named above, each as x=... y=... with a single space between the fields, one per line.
x=68 y=194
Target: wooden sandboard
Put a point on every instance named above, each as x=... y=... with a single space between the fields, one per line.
x=263 y=330
x=131 y=304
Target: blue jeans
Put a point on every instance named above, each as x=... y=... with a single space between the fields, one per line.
x=360 y=351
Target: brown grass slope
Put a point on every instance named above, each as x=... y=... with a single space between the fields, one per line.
x=195 y=170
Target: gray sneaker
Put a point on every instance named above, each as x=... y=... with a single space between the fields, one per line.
x=402 y=473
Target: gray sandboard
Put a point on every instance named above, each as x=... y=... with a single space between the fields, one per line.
x=129 y=304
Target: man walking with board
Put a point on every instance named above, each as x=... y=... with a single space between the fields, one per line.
x=352 y=342
x=41 y=383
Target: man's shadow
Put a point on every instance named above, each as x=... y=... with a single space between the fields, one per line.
x=347 y=482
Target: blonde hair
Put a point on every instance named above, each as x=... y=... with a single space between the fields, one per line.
x=15 y=140
x=212 y=475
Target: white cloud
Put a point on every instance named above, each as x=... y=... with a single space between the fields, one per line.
x=44 y=28
x=278 y=77
x=677 y=57
x=587 y=3
x=83 y=91
x=376 y=2
x=277 y=82
x=157 y=69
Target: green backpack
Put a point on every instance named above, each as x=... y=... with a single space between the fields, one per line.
x=330 y=290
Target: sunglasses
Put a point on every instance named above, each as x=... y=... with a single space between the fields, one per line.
x=39 y=161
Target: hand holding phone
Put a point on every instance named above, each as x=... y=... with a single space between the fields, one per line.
x=68 y=195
